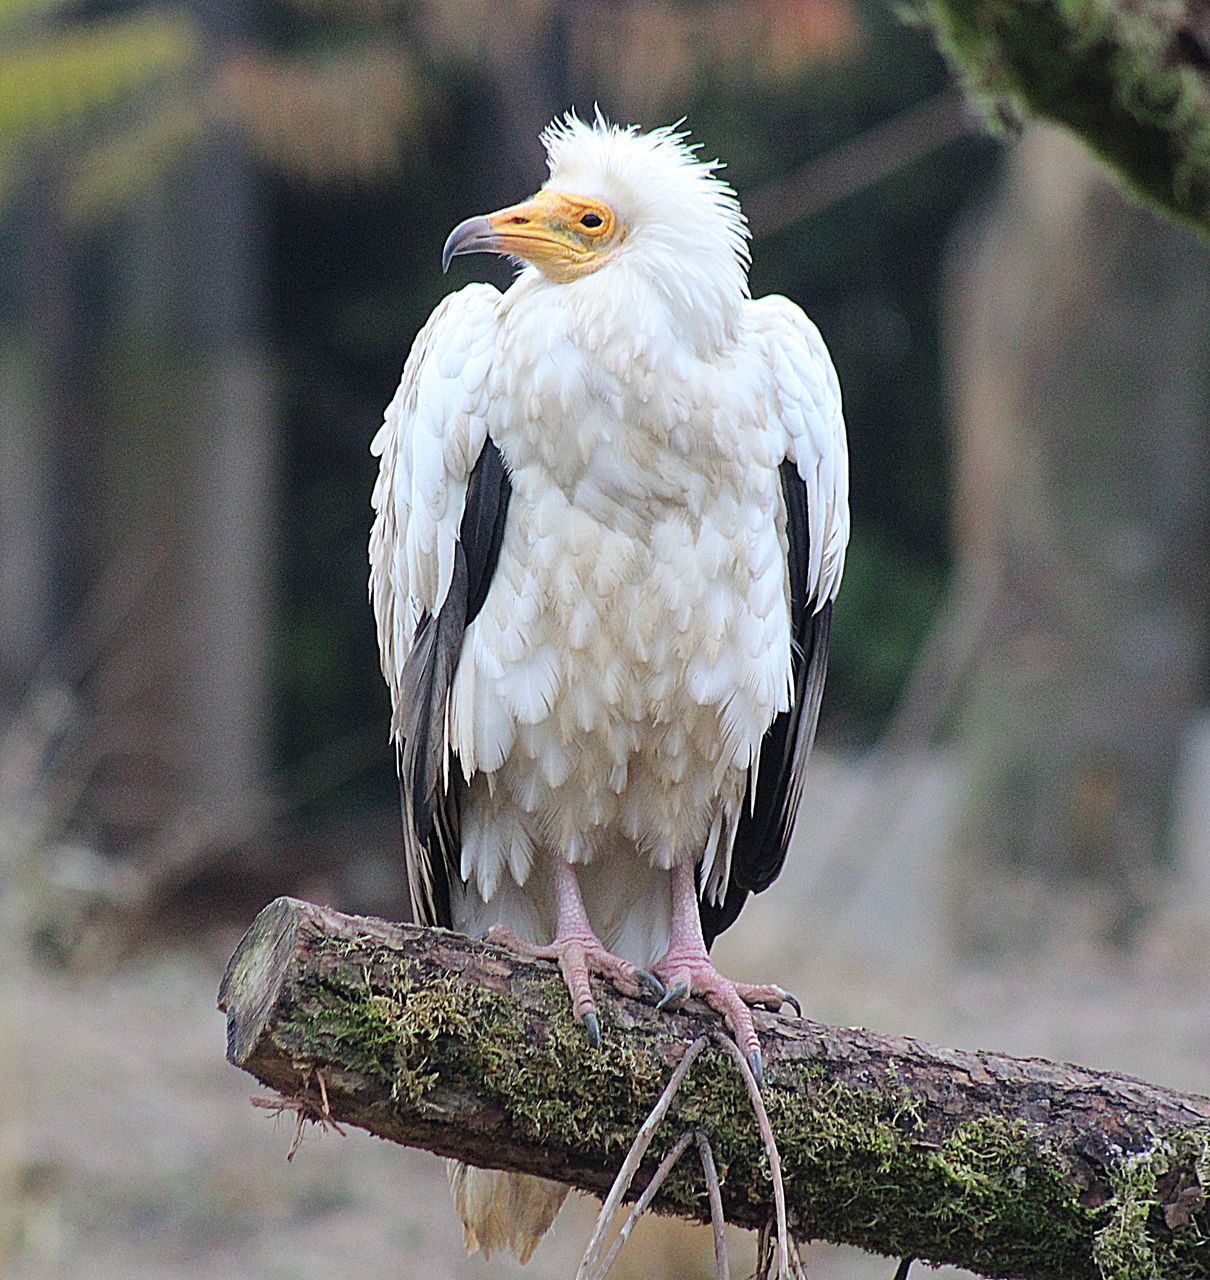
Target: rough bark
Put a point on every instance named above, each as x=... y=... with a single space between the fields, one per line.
x=1131 y=78
x=1010 y=1167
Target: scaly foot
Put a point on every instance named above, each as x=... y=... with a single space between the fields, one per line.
x=579 y=954
x=686 y=971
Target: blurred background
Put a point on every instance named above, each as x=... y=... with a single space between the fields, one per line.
x=220 y=228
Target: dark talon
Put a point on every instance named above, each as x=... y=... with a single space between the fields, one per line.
x=651 y=982
x=593 y=1027
x=673 y=994
x=758 y=1066
x=792 y=1001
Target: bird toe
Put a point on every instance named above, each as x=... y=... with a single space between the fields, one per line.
x=651 y=982
x=674 y=994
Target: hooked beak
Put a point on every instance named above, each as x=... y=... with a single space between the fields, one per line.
x=522 y=231
x=544 y=231
x=474 y=235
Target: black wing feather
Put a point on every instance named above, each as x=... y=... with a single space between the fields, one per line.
x=763 y=833
x=431 y=812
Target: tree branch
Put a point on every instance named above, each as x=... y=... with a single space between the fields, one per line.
x=1131 y=78
x=1007 y=1166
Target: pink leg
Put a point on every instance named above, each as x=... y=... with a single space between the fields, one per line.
x=579 y=952
x=686 y=971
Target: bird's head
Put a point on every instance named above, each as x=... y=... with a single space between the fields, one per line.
x=615 y=196
x=565 y=236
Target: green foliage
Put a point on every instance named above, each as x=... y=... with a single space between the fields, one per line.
x=1110 y=72
x=70 y=85
x=127 y=96
x=63 y=76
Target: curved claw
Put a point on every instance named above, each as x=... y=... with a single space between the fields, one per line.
x=756 y=1062
x=651 y=982
x=593 y=1026
x=792 y=1001
x=678 y=991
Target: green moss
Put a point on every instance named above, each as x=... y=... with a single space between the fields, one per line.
x=359 y=1034
x=1135 y=1242
x=388 y=1034
x=1103 y=69
x=988 y=1197
x=989 y=1182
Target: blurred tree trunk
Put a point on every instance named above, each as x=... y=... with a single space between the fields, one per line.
x=136 y=487
x=1079 y=338
x=26 y=525
x=187 y=472
x=43 y=446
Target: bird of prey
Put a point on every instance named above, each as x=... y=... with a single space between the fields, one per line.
x=611 y=518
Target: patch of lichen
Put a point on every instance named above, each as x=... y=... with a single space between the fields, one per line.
x=1136 y=1241
x=856 y=1164
x=1104 y=69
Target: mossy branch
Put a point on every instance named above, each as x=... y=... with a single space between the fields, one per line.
x=1129 y=77
x=1007 y=1166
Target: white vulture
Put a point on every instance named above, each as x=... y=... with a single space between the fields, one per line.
x=611 y=518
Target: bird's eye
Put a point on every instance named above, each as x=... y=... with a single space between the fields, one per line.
x=591 y=220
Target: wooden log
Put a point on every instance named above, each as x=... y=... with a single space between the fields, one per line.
x=1007 y=1166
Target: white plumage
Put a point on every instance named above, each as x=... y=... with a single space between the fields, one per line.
x=607 y=703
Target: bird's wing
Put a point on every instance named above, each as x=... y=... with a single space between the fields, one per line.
x=804 y=402
x=440 y=502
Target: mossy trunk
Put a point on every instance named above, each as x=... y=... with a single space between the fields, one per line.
x=1130 y=79
x=1006 y=1166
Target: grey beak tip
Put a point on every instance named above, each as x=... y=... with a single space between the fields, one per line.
x=446 y=254
x=474 y=235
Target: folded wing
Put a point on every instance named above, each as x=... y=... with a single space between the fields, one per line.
x=441 y=503
x=804 y=403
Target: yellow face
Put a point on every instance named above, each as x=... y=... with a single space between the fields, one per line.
x=564 y=236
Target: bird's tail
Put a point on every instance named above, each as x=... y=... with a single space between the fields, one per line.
x=503 y=1210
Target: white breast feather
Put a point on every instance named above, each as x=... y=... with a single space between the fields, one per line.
x=634 y=646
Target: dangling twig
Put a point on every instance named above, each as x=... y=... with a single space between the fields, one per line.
x=304 y=1108
x=638 y=1149
x=800 y=1267
x=765 y=1251
x=766 y=1133
x=717 y=1221
x=591 y=1268
x=639 y=1207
